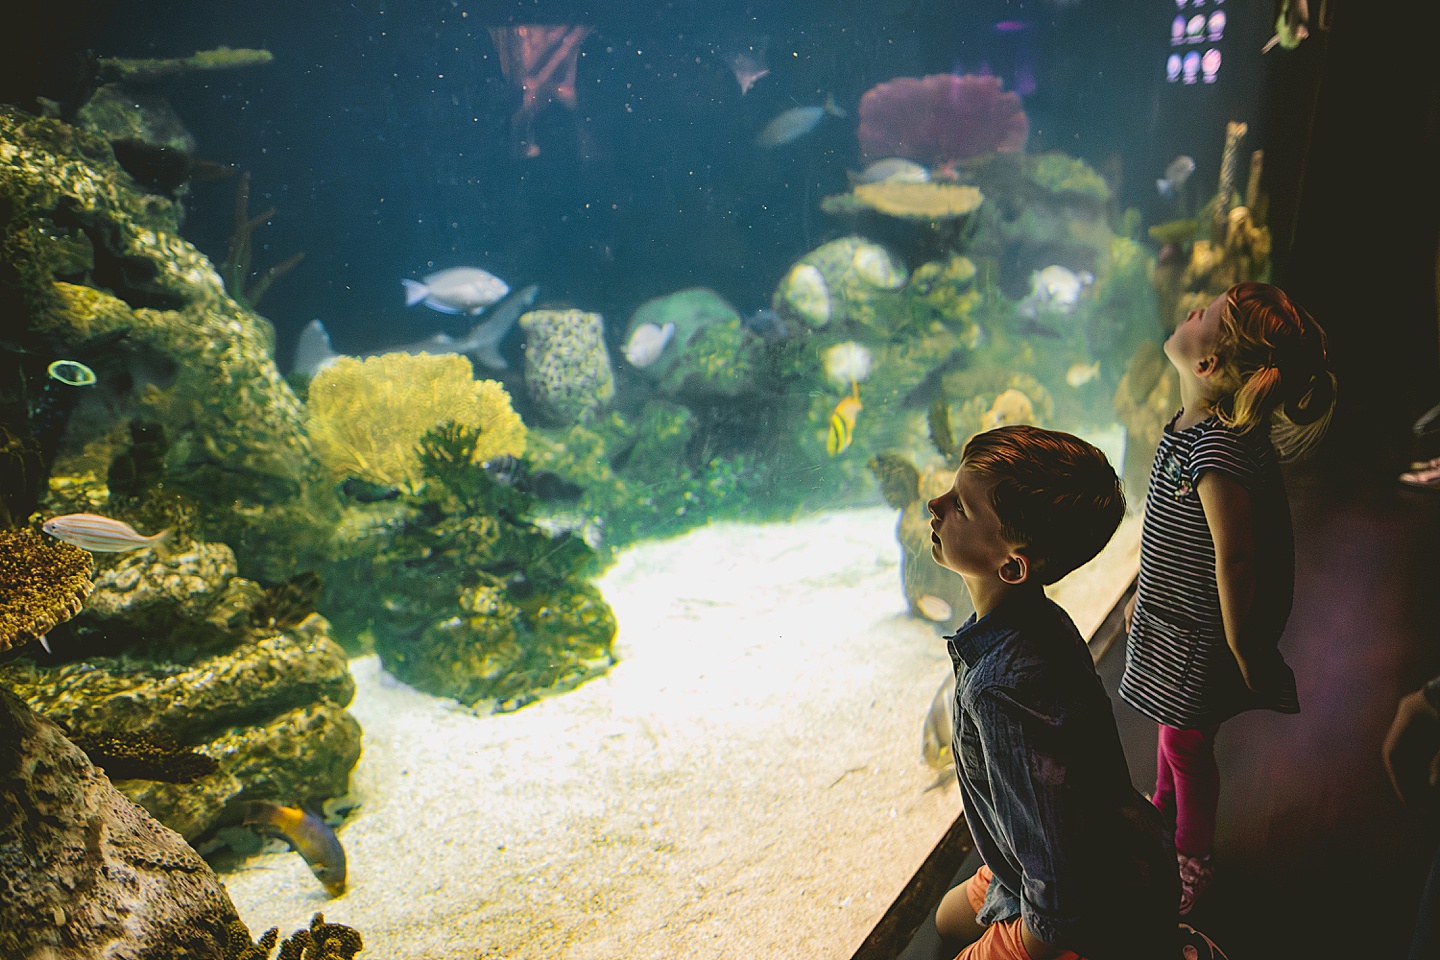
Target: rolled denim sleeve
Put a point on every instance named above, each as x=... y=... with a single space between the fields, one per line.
x=1029 y=768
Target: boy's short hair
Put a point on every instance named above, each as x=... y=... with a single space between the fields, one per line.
x=1057 y=497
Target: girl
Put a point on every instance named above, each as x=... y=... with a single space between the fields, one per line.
x=1217 y=560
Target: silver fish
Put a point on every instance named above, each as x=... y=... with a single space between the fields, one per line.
x=457 y=290
x=647 y=343
x=891 y=170
x=794 y=123
x=99 y=534
x=314 y=352
x=748 y=65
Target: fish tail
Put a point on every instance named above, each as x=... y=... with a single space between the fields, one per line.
x=831 y=108
x=415 y=291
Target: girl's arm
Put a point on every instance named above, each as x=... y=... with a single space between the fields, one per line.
x=1227 y=506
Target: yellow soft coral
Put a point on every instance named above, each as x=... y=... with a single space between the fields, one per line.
x=367 y=416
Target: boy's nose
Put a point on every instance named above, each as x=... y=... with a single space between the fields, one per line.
x=930 y=505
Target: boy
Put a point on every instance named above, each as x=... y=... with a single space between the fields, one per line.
x=1077 y=862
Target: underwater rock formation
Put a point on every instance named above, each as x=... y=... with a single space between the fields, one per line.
x=102 y=276
x=366 y=417
x=86 y=873
x=567 y=367
x=941 y=118
x=168 y=647
x=709 y=356
x=851 y=286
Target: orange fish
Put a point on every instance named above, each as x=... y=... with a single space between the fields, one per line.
x=310 y=836
x=842 y=422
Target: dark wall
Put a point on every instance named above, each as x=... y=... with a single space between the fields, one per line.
x=1355 y=176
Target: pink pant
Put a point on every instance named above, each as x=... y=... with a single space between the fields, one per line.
x=1187 y=786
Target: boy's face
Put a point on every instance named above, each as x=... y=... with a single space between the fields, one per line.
x=965 y=532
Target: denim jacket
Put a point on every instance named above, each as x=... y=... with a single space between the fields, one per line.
x=1074 y=848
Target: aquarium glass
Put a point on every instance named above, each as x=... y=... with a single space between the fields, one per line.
x=503 y=431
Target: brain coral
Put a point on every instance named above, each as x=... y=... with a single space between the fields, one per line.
x=366 y=417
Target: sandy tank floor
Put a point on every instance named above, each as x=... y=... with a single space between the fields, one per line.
x=745 y=782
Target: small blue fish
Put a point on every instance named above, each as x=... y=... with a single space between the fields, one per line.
x=99 y=534
x=310 y=837
x=794 y=123
x=72 y=373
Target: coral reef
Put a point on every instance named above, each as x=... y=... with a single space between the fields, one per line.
x=850 y=286
x=567 y=367
x=710 y=356
x=43 y=583
x=941 y=118
x=86 y=873
x=366 y=417
x=101 y=275
x=918 y=201
x=468 y=598
x=323 y=941
x=168 y=648
x=138 y=756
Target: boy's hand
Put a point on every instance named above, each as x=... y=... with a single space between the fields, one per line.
x=1130 y=609
x=1412 y=749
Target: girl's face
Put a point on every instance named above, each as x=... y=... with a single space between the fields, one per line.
x=965 y=531
x=1191 y=347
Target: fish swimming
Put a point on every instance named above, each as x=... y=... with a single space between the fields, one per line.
x=314 y=352
x=648 y=342
x=310 y=836
x=842 y=422
x=1054 y=290
x=72 y=373
x=938 y=732
x=1176 y=174
x=1081 y=373
x=457 y=290
x=99 y=534
x=891 y=170
x=748 y=65
x=792 y=124
x=767 y=325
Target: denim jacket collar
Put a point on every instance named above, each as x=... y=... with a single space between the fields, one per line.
x=978 y=637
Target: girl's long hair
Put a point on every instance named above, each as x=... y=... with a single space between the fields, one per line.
x=1273 y=359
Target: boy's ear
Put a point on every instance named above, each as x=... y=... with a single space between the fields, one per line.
x=1206 y=366
x=1015 y=570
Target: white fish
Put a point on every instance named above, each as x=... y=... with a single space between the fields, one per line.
x=891 y=170
x=647 y=343
x=1176 y=174
x=314 y=352
x=457 y=290
x=1081 y=373
x=99 y=534
x=1053 y=290
x=794 y=123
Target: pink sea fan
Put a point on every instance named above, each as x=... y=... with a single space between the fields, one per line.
x=940 y=118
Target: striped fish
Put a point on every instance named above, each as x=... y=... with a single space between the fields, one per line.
x=99 y=534
x=842 y=422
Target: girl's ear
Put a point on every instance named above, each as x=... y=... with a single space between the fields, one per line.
x=1015 y=570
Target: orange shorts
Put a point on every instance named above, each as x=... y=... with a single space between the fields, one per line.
x=1001 y=941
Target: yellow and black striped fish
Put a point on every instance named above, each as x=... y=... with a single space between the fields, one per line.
x=842 y=422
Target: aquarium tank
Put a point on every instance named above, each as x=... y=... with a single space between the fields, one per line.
x=464 y=463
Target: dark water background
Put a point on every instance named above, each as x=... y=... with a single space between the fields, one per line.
x=381 y=133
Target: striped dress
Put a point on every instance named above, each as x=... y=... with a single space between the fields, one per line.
x=1179 y=670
